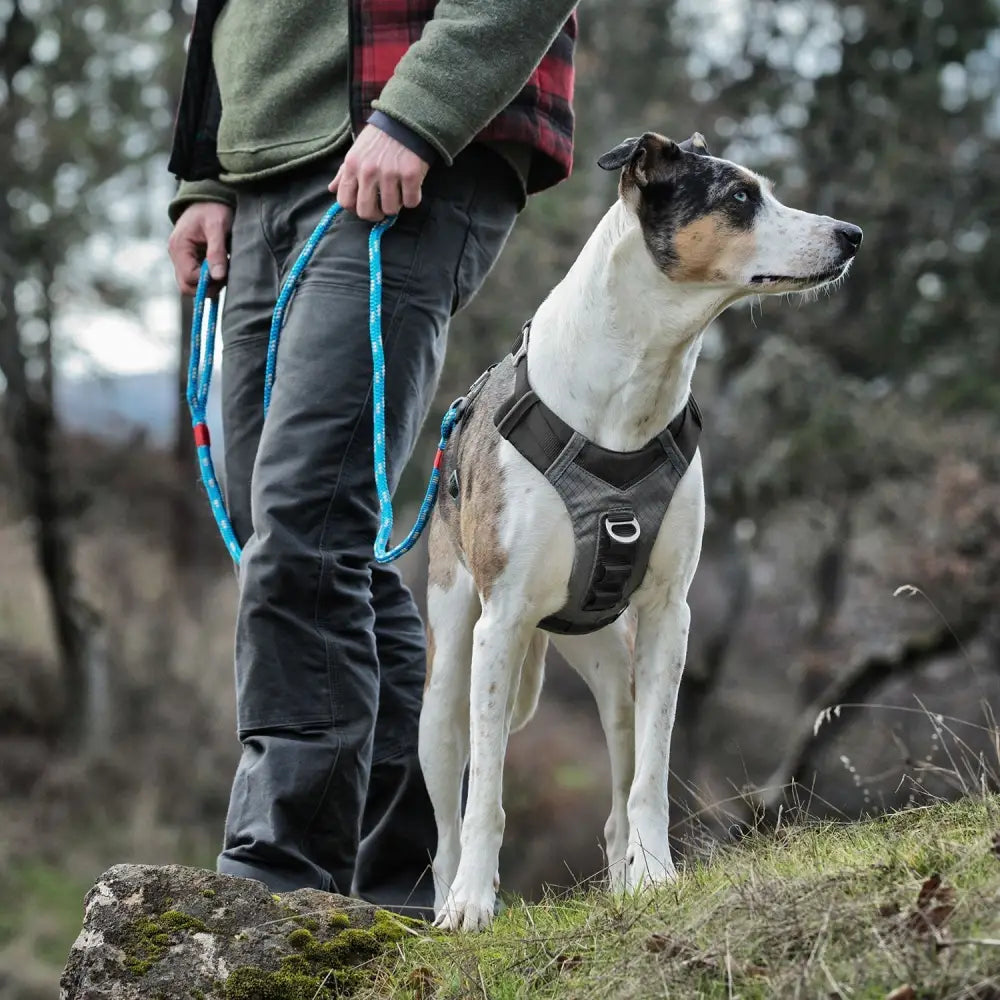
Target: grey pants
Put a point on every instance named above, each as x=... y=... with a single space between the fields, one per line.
x=330 y=656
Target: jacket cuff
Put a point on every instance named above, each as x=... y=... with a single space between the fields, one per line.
x=190 y=192
x=404 y=135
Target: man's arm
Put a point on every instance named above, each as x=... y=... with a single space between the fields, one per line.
x=469 y=64
x=191 y=192
x=471 y=61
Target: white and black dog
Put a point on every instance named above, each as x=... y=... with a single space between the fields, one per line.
x=612 y=352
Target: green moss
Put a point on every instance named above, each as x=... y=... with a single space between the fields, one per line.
x=145 y=941
x=140 y=966
x=319 y=968
x=253 y=983
x=347 y=948
x=297 y=963
x=300 y=939
x=174 y=920
x=197 y=994
x=208 y=893
x=390 y=926
x=309 y=923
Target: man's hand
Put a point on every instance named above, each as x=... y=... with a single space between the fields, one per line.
x=379 y=176
x=201 y=233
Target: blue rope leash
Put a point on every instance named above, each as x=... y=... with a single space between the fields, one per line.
x=200 y=378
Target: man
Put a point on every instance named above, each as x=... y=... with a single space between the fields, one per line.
x=460 y=109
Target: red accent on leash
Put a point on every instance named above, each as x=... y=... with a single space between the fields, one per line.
x=201 y=435
x=437 y=458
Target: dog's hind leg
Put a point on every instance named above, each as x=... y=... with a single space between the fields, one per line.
x=452 y=609
x=605 y=660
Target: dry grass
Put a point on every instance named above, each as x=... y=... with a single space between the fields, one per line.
x=818 y=910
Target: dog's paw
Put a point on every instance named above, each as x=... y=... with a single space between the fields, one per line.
x=466 y=912
x=617 y=875
x=643 y=870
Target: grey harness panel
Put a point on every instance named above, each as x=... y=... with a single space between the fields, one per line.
x=616 y=500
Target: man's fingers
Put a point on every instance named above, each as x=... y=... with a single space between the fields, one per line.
x=201 y=233
x=390 y=199
x=335 y=183
x=186 y=286
x=347 y=192
x=411 y=183
x=367 y=204
x=186 y=268
x=218 y=260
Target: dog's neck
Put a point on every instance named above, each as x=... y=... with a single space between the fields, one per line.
x=614 y=346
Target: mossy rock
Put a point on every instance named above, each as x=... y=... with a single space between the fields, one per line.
x=184 y=932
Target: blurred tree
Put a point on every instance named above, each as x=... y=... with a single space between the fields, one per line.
x=182 y=540
x=631 y=77
x=885 y=114
x=80 y=118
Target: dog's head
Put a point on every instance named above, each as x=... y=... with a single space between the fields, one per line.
x=707 y=221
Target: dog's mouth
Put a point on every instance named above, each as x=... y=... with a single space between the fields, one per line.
x=801 y=281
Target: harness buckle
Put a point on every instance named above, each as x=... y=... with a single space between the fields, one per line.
x=520 y=348
x=624 y=530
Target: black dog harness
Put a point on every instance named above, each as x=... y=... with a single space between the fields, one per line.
x=616 y=500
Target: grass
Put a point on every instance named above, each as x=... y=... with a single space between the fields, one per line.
x=817 y=910
x=48 y=911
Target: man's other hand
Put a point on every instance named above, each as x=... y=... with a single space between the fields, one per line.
x=379 y=176
x=201 y=234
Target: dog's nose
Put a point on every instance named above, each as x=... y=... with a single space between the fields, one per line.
x=849 y=238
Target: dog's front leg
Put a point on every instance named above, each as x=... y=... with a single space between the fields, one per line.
x=661 y=647
x=499 y=646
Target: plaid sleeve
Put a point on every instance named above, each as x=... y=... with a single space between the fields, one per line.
x=469 y=63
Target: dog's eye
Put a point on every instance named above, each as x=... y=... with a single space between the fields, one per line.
x=740 y=195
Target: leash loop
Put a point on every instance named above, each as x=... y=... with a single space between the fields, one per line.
x=200 y=378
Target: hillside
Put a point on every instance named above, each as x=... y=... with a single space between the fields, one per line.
x=856 y=911
x=115 y=406
x=899 y=908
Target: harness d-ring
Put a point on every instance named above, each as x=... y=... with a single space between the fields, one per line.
x=624 y=532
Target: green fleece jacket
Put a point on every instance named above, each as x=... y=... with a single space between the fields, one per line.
x=282 y=68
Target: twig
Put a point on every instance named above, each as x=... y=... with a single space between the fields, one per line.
x=820 y=722
x=319 y=989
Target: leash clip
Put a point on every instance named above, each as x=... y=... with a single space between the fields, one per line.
x=458 y=407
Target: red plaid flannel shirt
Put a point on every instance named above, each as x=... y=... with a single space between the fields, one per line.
x=540 y=116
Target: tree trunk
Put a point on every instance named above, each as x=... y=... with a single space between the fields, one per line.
x=31 y=419
x=32 y=425
x=185 y=494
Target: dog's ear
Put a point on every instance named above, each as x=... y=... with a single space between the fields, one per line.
x=615 y=159
x=643 y=158
x=696 y=144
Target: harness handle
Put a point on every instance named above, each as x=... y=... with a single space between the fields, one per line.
x=200 y=378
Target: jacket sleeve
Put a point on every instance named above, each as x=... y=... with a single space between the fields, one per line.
x=190 y=192
x=470 y=62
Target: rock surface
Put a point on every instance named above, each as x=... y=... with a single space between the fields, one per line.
x=159 y=933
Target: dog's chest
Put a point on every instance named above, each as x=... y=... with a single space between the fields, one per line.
x=616 y=502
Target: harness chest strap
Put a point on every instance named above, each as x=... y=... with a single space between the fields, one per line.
x=616 y=500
